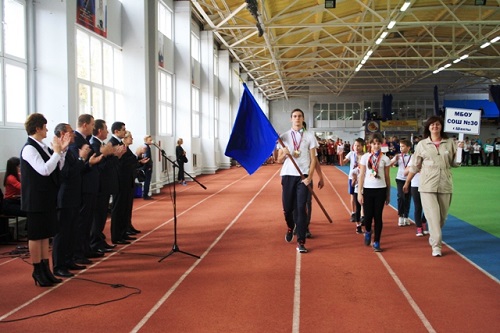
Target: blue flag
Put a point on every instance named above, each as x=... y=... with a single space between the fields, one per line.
x=253 y=138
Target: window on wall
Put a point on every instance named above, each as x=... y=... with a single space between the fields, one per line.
x=216 y=117
x=165 y=102
x=335 y=111
x=195 y=47
x=165 y=79
x=401 y=110
x=164 y=20
x=195 y=112
x=99 y=76
x=13 y=61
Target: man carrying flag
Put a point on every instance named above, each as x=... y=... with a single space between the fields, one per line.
x=300 y=146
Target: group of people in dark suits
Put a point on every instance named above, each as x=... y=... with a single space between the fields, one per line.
x=67 y=193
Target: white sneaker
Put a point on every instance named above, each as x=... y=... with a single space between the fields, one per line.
x=401 y=222
x=406 y=221
x=436 y=253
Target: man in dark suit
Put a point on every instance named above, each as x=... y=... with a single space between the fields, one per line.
x=120 y=200
x=90 y=186
x=68 y=206
x=108 y=184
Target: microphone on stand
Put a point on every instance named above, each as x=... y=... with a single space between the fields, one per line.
x=159 y=148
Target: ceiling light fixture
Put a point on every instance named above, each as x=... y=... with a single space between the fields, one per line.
x=485 y=45
x=391 y=24
x=330 y=3
x=405 y=6
x=494 y=40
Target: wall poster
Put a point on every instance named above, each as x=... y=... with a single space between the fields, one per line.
x=92 y=14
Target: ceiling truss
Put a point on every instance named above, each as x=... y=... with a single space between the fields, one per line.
x=307 y=49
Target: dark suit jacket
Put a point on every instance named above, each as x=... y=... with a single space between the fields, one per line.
x=108 y=172
x=70 y=190
x=90 y=174
x=113 y=163
x=128 y=170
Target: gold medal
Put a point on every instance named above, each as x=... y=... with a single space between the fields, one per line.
x=296 y=153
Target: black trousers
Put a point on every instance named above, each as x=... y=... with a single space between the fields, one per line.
x=120 y=213
x=373 y=206
x=180 y=173
x=100 y=216
x=419 y=212
x=63 y=244
x=294 y=198
x=147 y=182
x=85 y=219
x=404 y=199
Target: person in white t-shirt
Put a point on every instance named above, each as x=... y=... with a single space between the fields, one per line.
x=300 y=147
x=374 y=189
x=404 y=199
x=353 y=158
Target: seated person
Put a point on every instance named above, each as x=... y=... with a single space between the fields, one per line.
x=12 y=182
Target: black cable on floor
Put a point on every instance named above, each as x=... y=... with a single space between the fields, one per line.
x=136 y=291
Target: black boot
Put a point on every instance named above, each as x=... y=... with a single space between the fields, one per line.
x=47 y=272
x=40 y=277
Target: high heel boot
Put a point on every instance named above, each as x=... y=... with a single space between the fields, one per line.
x=48 y=272
x=39 y=277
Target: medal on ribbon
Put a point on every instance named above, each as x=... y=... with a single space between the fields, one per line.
x=296 y=146
x=373 y=163
x=405 y=163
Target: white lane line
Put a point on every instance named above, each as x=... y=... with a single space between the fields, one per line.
x=407 y=295
x=296 y=296
x=183 y=277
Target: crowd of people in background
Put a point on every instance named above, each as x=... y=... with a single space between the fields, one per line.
x=475 y=152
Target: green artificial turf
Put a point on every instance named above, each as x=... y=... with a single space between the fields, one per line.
x=476 y=196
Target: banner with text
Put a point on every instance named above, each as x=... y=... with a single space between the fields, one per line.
x=462 y=121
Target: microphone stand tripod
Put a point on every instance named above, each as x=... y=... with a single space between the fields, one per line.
x=175 y=247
